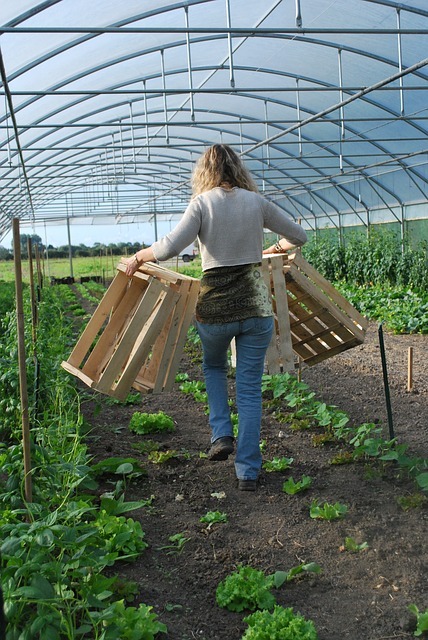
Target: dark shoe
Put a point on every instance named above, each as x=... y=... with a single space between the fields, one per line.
x=221 y=448
x=247 y=485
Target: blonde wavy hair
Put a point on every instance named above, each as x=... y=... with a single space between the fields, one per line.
x=221 y=165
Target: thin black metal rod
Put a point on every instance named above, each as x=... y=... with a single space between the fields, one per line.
x=385 y=383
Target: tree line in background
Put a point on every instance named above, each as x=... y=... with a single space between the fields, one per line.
x=81 y=250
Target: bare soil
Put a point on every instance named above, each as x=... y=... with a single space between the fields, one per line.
x=358 y=596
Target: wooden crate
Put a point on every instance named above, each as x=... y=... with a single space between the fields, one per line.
x=136 y=336
x=313 y=321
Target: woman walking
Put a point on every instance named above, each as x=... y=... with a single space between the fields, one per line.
x=228 y=217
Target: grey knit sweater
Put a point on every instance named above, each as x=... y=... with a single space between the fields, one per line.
x=229 y=225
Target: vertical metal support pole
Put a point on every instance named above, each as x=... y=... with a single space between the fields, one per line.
x=240 y=135
x=131 y=120
x=113 y=158
x=299 y=130
x=342 y=116
x=403 y=234
x=229 y=44
x=22 y=360
x=400 y=62
x=70 y=252
x=189 y=65
x=165 y=106
x=267 y=133
x=385 y=383
x=121 y=147
x=298 y=15
x=147 y=121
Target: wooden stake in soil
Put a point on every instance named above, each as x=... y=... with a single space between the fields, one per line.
x=410 y=369
x=21 y=361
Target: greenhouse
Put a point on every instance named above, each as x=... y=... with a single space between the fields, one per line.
x=107 y=106
x=223 y=438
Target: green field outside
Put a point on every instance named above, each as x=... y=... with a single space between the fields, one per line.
x=103 y=266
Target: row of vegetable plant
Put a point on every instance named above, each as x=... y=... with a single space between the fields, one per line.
x=55 y=549
x=383 y=279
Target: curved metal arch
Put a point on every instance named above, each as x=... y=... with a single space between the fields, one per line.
x=182 y=43
x=93 y=70
x=241 y=94
x=387 y=152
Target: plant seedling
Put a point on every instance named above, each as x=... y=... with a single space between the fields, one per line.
x=143 y=423
x=178 y=541
x=421 y=620
x=211 y=517
x=277 y=464
x=291 y=487
x=353 y=546
x=327 y=511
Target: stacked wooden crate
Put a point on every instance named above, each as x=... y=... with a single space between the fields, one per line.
x=137 y=333
x=313 y=321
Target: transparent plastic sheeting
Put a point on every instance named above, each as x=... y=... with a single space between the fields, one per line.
x=106 y=105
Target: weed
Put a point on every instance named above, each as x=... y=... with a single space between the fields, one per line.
x=178 y=540
x=414 y=501
x=343 y=457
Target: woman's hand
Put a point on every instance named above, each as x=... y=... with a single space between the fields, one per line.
x=143 y=255
x=132 y=265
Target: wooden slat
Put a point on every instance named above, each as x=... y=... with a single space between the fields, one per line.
x=115 y=292
x=272 y=355
x=145 y=342
x=329 y=289
x=153 y=296
x=283 y=317
x=184 y=324
x=108 y=340
x=318 y=295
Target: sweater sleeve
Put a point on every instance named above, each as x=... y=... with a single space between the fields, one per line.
x=183 y=234
x=279 y=222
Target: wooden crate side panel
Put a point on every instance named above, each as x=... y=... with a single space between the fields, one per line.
x=107 y=342
x=272 y=354
x=147 y=306
x=305 y=320
x=153 y=370
x=325 y=302
x=145 y=342
x=330 y=290
x=184 y=324
x=280 y=298
x=169 y=340
x=331 y=352
x=116 y=291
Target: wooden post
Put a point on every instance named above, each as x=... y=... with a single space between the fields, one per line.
x=410 y=369
x=21 y=361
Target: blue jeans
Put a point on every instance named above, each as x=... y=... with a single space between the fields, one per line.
x=252 y=338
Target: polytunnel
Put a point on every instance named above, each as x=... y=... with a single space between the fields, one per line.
x=106 y=106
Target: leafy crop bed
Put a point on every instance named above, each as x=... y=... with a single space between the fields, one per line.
x=372 y=556
x=334 y=539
